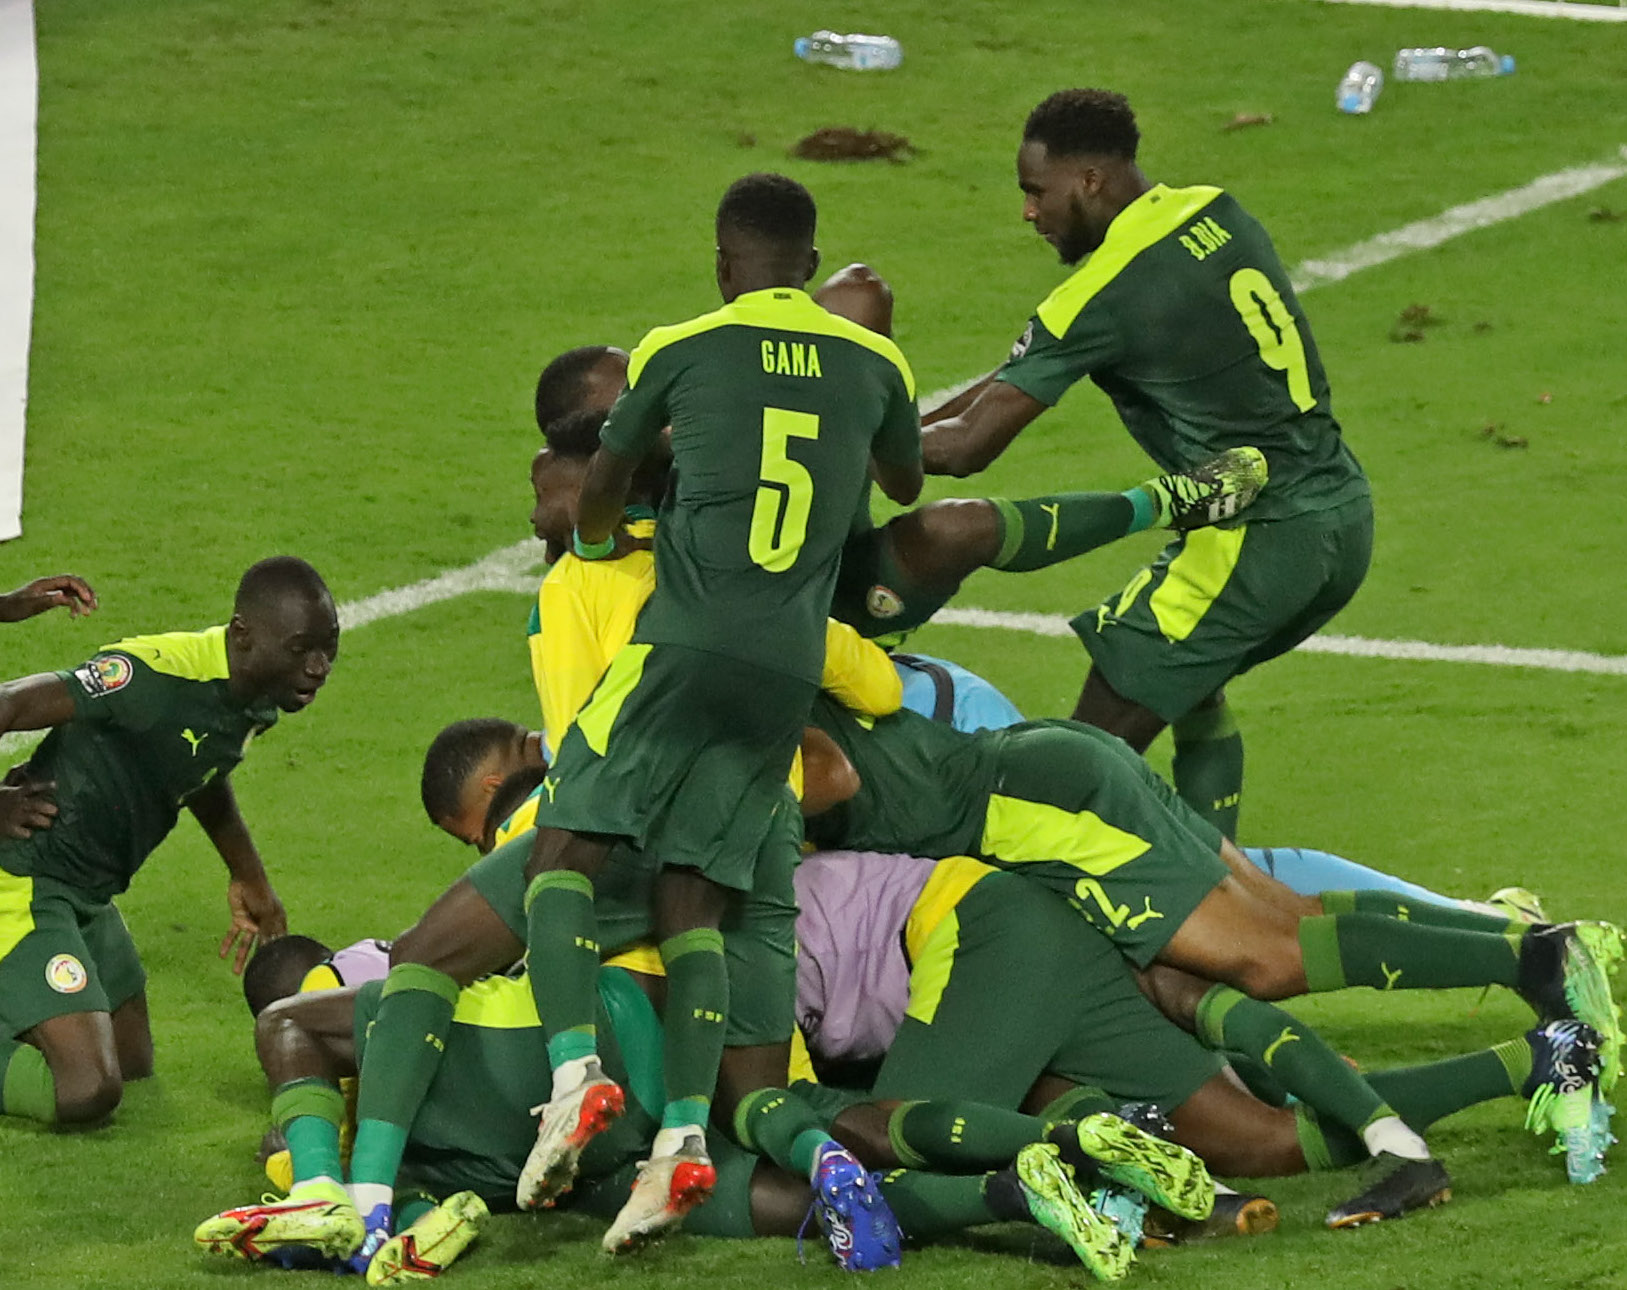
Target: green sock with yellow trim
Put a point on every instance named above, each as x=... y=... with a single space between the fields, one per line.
x=952 y=1136
x=928 y=1205
x=27 y=1087
x=1342 y=950
x=1294 y=1054
x=697 y=1007
x=776 y=1123
x=562 y=951
x=1037 y=532
x=1208 y=765
x=404 y=1048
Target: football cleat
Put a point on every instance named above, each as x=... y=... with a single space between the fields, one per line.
x=1057 y=1205
x=567 y=1125
x=1402 y=1185
x=856 y=1220
x=1212 y=491
x=1234 y=1214
x=666 y=1189
x=426 y=1248
x=1565 y=972
x=317 y=1217
x=1110 y=1147
x=1563 y=1089
x=1521 y=904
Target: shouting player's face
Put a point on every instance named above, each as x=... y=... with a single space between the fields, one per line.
x=1062 y=200
x=284 y=651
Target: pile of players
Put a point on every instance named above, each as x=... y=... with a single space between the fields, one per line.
x=1021 y=979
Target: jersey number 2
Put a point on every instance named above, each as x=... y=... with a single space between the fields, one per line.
x=1274 y=331
x=779 y=517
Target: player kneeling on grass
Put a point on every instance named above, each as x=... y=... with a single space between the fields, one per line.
x=148 y=725
x=474 y=1130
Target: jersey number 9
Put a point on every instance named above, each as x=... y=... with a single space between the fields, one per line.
x=779 y=517
x=1274 y=331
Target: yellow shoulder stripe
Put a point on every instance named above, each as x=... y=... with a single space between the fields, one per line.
x=778 y=308
x=950 y=881
x=196 y=656
x=1154 y=215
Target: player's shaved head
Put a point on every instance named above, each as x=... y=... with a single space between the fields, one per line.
x=277 y=581
x=586 y=378
x=765 y=235
x=1084 y=123
x=278 y=967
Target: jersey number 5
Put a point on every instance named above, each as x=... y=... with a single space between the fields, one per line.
x=779 y=517
x=1274 y=331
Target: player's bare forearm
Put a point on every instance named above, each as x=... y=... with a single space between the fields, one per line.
x=35 y=702
x=214 y=806
x=957 y=402
x=604 y=495
x=965 y=444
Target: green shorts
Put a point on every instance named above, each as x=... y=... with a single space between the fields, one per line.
x=759 y=930
x=61 y=951
x=872 y=594
x=475 y=1128
x=683 y=753
x=1008 y=987
x=1218 y=601
x=1076 y=809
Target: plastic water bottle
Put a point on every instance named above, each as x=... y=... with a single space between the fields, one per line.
x=853 y=52
x=1359 y=88
x=1442 y=64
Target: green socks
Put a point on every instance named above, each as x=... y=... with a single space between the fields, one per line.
x=403 y=1054
x=929 y=1205
x=958 y=1137
x=1421 y=1095
x=1292 y=1053
x=1208 y=766
x=1423 y=912
x=778 y=1124
x=1370 y=949
x=1041 y=531
x=562 y=949
x=26 y=1086
x=697 y=1006
x=309 y=1113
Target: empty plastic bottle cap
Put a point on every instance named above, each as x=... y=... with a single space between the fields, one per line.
x=1508 y=64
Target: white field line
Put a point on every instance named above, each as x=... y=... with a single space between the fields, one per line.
x=1529 y=8
x=515 y=568
x=1551 y=660
x=1427 y=233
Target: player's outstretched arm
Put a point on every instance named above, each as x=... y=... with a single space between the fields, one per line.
x=965 y=444
x=257 y=914
x=60 y=589
x=957 y=402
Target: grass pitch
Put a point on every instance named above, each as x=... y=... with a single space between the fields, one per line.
x=299 y=262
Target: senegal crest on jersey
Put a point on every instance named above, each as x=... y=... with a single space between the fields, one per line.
x=104 y=674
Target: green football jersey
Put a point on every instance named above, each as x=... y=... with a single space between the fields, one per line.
x=776 y=407
x=923 y=785
x=153 y=723
x=1186 y=319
